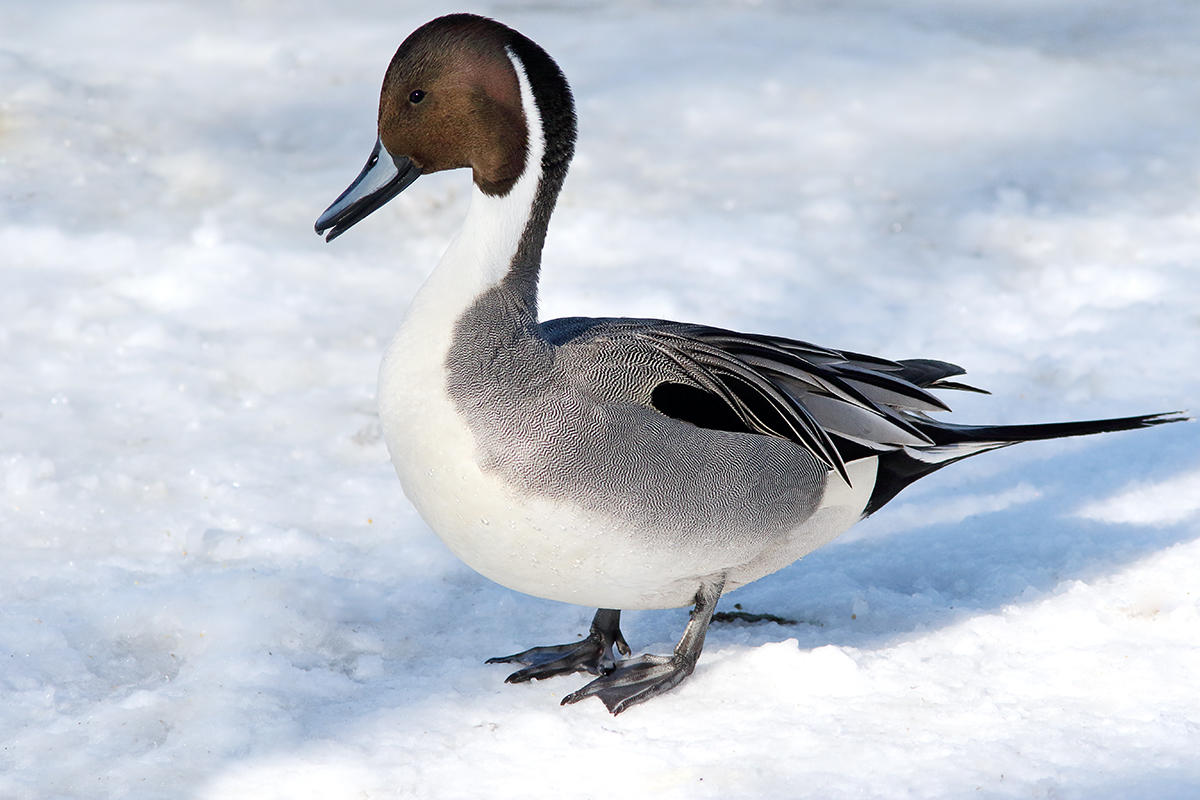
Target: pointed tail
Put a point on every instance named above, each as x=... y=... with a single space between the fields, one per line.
x=949 y=434
x=951 y=443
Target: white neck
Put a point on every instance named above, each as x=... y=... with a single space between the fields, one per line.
x=481 y=254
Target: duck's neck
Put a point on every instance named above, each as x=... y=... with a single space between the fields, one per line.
x=500 y=243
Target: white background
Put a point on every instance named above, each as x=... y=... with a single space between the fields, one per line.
x=212 y=587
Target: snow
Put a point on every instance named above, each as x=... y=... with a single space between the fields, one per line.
x=211 y=585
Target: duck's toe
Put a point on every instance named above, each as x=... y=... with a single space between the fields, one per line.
x=591 y=654
x=636 y=681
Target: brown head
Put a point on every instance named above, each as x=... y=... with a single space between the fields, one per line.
x=451 y=98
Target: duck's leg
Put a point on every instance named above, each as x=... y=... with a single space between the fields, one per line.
x=638 y=679
x=591 y=654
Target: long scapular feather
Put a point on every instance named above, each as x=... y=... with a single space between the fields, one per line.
x=809 y=395
x=739 y=381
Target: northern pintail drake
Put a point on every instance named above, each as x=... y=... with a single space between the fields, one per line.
x=614 y=463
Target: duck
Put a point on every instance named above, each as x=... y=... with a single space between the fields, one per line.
x=614 y=463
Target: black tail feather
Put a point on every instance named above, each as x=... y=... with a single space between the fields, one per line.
x=948 y=433
x=899 y=468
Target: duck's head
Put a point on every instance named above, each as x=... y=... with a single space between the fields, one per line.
x=451 y=98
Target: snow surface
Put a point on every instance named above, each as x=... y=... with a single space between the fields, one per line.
x=212 y=587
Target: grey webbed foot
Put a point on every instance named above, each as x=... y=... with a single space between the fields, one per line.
x=638 y=679
x=591 y=654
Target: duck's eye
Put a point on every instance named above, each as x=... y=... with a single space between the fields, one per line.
x=416 y=96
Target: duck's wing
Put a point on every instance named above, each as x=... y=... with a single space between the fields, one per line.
x=832 y=402
x=838 y=404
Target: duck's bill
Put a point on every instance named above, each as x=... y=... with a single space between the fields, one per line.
x=381 y=179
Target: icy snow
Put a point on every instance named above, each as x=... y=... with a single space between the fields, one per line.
x=212 y=587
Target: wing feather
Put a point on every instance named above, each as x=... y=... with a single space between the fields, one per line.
x=749 y=392
x=833 y=403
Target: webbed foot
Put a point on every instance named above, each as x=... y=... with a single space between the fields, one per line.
x=591 y=654
x=638 y=679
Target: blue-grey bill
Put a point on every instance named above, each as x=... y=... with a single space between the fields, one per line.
x=381 y=179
